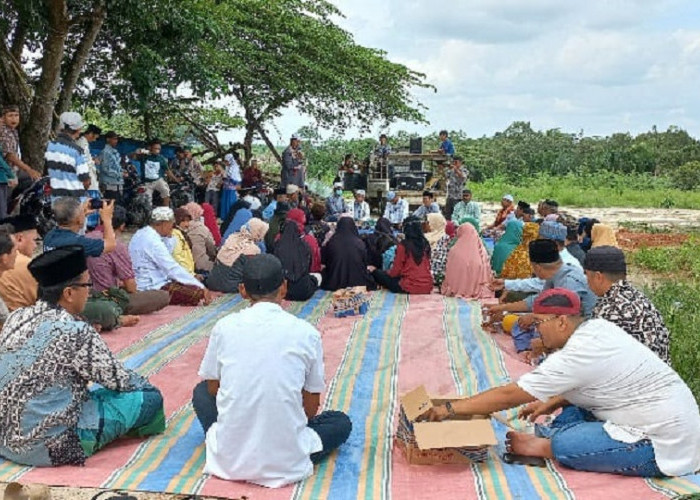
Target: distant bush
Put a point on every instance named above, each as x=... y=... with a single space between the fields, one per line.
x=687 y=176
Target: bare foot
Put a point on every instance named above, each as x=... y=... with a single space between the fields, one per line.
x=528 y=445
x=129 y=320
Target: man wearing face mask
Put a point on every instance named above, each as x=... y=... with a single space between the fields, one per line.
x=335 y=204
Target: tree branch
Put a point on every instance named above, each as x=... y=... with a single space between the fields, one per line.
x=80 y=56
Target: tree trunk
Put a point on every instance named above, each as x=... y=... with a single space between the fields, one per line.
x=147 y=125
x=35 y=134
x=268 y=142
x=80 y=56
x=248 y=142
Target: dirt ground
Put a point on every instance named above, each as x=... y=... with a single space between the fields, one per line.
x=652 y=217
x=68 y=493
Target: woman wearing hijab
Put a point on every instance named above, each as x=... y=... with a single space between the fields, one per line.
x=468 y=272
x=241 y=219
x=472 y=221
x=439 y=245
x=378 y=242
x=276 y=225
x=182 y=248
x=517 y=265
x=295 y=255
x=231 y=259
x=201 y=240
x=436 y=229
x=239 y=205
x=316 y=225
x=232 y=179
x=410 y=272
x=603 y=235
x=511 y=238
x=210 y=222
x=298 y=217
x=585 y=227
x=345 y=259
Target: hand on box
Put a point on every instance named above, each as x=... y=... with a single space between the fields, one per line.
x=435 y=414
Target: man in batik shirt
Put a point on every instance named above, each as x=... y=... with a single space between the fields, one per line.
x=48 y=413
x=621 y=303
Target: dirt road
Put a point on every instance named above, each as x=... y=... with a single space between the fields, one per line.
x=656 y=217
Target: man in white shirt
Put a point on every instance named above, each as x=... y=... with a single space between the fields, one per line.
x=626 y=411
x=396 y=208
x=263 y=377
x=359 y=208
x=156 y=269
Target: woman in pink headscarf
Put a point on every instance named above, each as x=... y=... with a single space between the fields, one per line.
x=468 y=272
x=210 y=222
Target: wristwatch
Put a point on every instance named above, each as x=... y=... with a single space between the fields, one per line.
x=450 y=409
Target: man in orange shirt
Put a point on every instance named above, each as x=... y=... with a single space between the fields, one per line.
x=18 y=288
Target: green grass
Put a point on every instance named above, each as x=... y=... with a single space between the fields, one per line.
x=678 y=303
x=677 y=296
x=683 y=260
x=595 y=190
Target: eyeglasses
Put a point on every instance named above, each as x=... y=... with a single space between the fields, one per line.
x=538 y=323
x=80 y=285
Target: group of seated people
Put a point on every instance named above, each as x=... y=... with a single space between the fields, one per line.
x=597 y=342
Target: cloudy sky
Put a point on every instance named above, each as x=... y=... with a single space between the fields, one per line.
x=601 y=66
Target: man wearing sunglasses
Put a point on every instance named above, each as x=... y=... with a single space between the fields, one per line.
x=625 y=411
x=49 y=415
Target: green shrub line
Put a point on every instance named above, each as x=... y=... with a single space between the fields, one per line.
x=677 y=296
x=678 y=303
x=599 y=190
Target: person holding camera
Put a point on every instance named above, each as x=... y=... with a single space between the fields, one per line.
x=103 y=309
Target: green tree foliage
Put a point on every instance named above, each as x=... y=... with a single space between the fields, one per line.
x=519 y=152
x=166 y=61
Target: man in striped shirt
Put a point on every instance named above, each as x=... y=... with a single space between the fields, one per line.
x=65 y=162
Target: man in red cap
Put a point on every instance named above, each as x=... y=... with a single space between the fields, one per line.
x=625 y=410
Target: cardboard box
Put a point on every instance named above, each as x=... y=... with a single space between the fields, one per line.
x=462 y=440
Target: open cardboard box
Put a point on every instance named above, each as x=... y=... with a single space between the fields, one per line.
x=461 y=440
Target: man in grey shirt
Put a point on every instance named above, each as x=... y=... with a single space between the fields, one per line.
x=292 y=164
x=548 y=266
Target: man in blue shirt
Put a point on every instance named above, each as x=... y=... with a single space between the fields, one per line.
x=446 y=146
x=68 y=170
x=429 y=206
x=335 y=204
x=70 y=216
x=110 y=169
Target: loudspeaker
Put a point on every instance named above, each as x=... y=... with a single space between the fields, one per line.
x=416 y=166
x=354 y=181
x=416 y=146
x=410 y=183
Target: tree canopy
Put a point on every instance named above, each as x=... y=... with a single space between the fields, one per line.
x=190 y=61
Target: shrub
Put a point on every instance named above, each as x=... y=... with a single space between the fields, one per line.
x=687 y=176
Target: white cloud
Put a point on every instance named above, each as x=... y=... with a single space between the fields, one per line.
x=601 y=65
